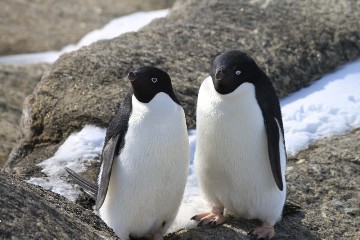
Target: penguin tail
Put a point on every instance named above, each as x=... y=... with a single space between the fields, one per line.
x=89 y=187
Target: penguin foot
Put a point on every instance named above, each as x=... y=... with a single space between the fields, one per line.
x=157 y=236
x=213 y=218
x=262 y=232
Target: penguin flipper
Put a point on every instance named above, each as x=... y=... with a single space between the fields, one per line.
x=88 y=186
x=271 y=111
x=114 y=142
x=273 y=136
x=108 y=155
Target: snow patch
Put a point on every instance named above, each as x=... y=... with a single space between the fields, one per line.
x=76 y=153
x=330 y=106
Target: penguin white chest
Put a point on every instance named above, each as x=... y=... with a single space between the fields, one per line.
x=149 y=176
x=231 y=161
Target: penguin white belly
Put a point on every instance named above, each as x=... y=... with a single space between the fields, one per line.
x=148 y=178
x=231 y=161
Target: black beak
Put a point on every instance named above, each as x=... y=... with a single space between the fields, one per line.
x=219 y=75
x=131 y=76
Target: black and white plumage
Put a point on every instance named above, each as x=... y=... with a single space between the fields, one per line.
x=240 y=155
x=145 y=159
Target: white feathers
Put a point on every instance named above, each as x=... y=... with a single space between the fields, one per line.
x=231 y=159
x=148 y=179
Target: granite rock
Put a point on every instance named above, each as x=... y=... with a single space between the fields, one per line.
x=86 y=86
x=322 y=179
x=325 y=179
x=30 y=212
x=295 y=42
x=16 y=82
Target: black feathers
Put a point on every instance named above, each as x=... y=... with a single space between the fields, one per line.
x=149 y=81
x=270 y=108
x=114 y=142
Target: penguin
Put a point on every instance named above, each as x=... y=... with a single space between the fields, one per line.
x=240 y=156
x=145 y=159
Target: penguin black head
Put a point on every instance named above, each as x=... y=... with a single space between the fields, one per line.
x=149 y=81
x=232 y=68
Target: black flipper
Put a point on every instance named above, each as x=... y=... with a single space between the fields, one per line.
x=270 y=108
x=114 y=142
x=88 y=186
x=108 y=156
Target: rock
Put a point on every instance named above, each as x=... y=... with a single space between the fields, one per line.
x=290 y=227
x=34 y=26
x=329 y=210
x=30 y=212
x=295 y=42
x=325 y=179
x=16 y=82
x=86 y=86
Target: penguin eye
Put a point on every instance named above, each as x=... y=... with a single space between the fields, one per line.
x=154 y=80
x=238 y=72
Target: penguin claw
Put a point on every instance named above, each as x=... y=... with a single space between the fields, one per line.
x=262 y=232
x=213 y=218
x=212 y=223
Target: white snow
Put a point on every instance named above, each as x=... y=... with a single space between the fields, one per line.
x=327 y=107
x=114 y=28
x=76 y=153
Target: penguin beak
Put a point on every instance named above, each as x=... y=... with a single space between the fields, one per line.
x=131 y=76
x=219 y=74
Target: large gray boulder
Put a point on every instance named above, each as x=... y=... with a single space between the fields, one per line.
x=16 y=83
x=23 y=31
x=29 y=212
x=295 y=42
x=34 y=26
x=323 y=179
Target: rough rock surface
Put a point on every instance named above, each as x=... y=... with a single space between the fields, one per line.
x=16 y=82
x=295 y=42
x=30 y=212
x=60 y=22
x=323 y=179
x=86 y=86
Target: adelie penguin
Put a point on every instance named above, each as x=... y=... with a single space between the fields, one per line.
x=240 y=153
x=145 y=159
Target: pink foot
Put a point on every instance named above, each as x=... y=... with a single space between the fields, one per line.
x=263 y=232
x=214 y=218
x=157 y=236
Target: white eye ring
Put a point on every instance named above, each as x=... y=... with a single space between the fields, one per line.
x=238 y=72
x=154 y=80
